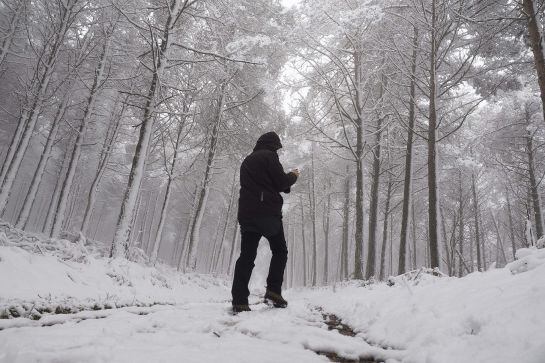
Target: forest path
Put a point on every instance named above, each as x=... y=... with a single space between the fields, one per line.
x=194 y=332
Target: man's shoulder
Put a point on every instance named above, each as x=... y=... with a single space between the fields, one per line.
x=261 y=153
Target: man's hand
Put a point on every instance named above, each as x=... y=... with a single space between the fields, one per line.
x=296 y=172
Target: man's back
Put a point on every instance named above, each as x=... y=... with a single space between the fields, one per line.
x=262 y=178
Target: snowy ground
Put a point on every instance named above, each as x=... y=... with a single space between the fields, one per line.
x=495 y=316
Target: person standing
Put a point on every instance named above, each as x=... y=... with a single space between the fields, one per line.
x=262 y=179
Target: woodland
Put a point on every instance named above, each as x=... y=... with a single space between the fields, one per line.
x=417 y=125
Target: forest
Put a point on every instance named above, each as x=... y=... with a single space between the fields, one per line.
x=417 y=125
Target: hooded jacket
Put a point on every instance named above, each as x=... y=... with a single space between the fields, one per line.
x=262 y=178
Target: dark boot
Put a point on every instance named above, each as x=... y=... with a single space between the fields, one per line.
x=276 y=299
x=240 y=308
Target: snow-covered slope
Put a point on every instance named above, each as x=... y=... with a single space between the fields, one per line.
x=111 y=310
x=493 y=316
x=43 y=276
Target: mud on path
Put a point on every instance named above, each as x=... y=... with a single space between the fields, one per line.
x=334 y=323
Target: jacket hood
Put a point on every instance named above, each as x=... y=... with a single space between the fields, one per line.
x=269 y=141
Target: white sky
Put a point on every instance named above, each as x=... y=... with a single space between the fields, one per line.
x=289 y=3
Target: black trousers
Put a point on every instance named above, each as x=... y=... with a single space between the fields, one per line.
x=251 y=232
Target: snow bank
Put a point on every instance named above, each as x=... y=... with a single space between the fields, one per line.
x=44 y=276
x=527 y=259
x=494 y=316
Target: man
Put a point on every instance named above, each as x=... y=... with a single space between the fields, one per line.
x=262 y=178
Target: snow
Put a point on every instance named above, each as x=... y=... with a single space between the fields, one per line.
x=494 y=316
x=123 y=311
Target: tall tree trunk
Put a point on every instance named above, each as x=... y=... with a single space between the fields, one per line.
x=413 y=225
x=228 y=214
x=194 y=235
x=385 y=227
x=233 y=242
x=476 y=216
x=445 y=240
x=537 y=42
x=408 y=160
x=48 y=223
x=304 y=242
x=182 y=246
x=499 y=242
x=72 y=202
x=21 y=140
x=292 y=259
x=87 y=115
x=432 y=148
x=22 y=220
x=216 y=244
x=373 y=204
x=483 y=242
x=120 y=243
x=326 y=226
x=312 y=210
x=511 y=226
x=8 y=35
x=358 y=250
x=150 y=233
x=534 y=192
x=346 y=221
x=142 y=212
x=164 y=209
x=104 y=158
x=461 y=225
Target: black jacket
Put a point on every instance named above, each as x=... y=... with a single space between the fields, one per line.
x=262 y=178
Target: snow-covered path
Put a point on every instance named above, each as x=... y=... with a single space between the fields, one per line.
x=203 y=332
x=495 y=316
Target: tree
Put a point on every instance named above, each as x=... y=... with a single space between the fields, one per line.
x=160 y=48
x=530 y=9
